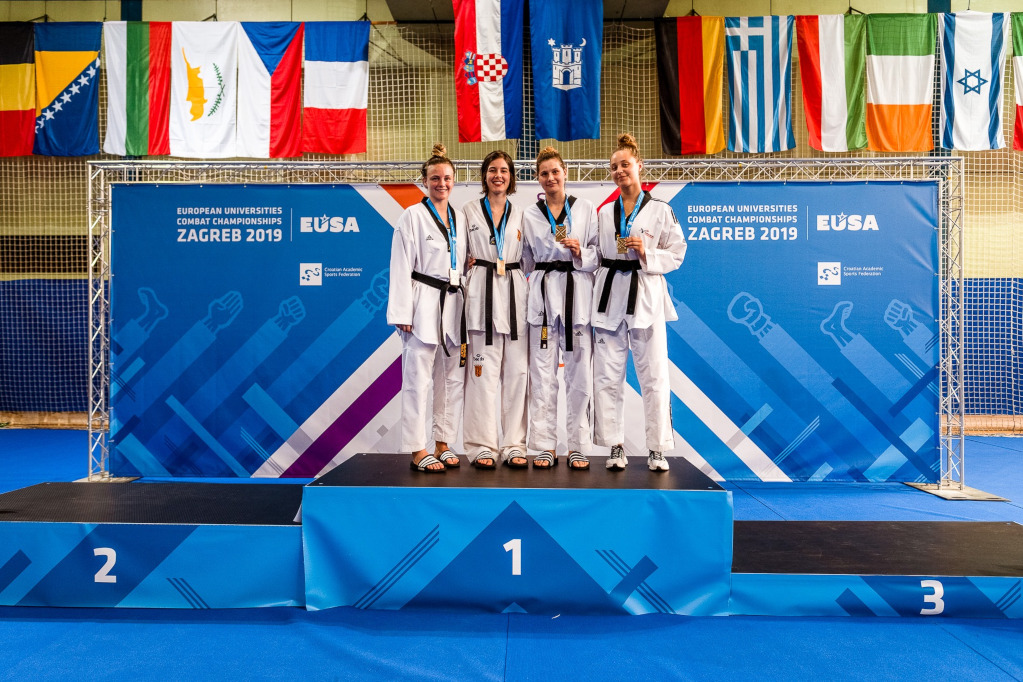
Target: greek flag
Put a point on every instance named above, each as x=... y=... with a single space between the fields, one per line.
x=759 y=83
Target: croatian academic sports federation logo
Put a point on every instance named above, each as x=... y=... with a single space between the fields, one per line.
x=484 y=67
x=567 y=65
x=829 y=273
x=310 y=274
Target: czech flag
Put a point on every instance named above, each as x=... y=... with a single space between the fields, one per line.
x=269 y=89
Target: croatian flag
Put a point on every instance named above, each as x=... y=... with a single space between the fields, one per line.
x=336 y=87
x=972 y=48
x=488 y=69
x=760 y=82
x=269 y=89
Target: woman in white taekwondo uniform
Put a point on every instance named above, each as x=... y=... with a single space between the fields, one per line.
x=559 y=248
x=425 y=303
x=639 y=241
x=495 y=309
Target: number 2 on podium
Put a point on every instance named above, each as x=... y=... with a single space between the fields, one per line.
x=515 y=547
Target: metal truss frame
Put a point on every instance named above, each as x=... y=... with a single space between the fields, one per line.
x=946 y=171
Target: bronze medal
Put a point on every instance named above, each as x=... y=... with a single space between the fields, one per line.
x=621 y=245
x=500 y=266
x=560 y=233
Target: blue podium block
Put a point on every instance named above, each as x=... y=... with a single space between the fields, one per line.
x=529 y=541
x=131 y=545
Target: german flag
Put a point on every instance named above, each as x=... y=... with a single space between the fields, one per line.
x=17 y=88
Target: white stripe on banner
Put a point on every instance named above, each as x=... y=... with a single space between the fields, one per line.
x=723 y=427
x=896 y=79
x=488 y=41
x=253 y=101
x=834 y=106
x=336 y=85
x=115 y=43
x=333 y=407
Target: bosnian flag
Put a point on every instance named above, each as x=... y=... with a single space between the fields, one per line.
x=832 y=50
x=336 y=87
x=488 y=69
x=269 y=89
x=972 y=46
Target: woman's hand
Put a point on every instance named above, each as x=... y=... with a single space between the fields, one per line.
x=636 y=244
x=407 y=328
x=572 y=245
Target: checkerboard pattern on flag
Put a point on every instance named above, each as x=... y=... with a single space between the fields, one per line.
x=831 y=67
x=900 y=73
x=1017 y=69
x=759 y=81
x=488 y=69
x=972 y=46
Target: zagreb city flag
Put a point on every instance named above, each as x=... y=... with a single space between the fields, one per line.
x=67 y=88
x=690 y=67
x=972 y=47
x=138 y=62
x=488 y=69
x=900 y=76
x=760 y=83
x=204 y=79
x=336 y=87
x=269 y=89
x=566 y=40
x=17 y=88
x=831 y=53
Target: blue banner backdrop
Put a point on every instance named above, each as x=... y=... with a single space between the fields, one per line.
x=249 y=336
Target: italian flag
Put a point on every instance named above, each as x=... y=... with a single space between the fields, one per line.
x=138 y=57
x=1017 y=68
x=900 y=81
x=831 y=53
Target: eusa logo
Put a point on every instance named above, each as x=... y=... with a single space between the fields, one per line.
x=327 y=223
x=853 y=222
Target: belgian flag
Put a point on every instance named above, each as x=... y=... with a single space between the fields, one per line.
x=17 y=88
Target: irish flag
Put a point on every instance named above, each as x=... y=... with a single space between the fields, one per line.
x=900 y=81
x=1017 y=69
x=831 y=65
x=138 y=87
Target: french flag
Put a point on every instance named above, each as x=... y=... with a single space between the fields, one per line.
x=269 y=89
x=336 y=87
x=488 y=69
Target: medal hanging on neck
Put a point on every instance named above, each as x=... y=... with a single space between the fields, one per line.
x=498 y=232
x=625 y=224
x=453 y=277
x=559 y=230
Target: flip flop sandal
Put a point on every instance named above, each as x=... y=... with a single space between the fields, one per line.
x=513 y=455
x=544 y=457
x=577 y=458
x=485 y=455
x=449 y=459
x=425 y=462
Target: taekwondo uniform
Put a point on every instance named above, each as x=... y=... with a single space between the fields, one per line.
x=630 y=307
x=422 y=294
x=495 y=310
x=560 y=298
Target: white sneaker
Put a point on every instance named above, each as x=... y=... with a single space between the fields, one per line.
x=617 y=460
x=656 y=461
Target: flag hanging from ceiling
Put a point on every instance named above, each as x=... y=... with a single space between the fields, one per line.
x=566 y=43
x=488 y=69
x=972 y=47
x=269 y=89
x=760 y=83
x=138 y=71
x=17 y=88
x=831 y=67
x=336 y=87
x=900 y=81
x=1017 y=70
x=690 y=68
x=67 y=88
x=204 y=79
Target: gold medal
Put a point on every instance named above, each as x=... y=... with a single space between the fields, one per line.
x=621 y=245
x=560 y=233
x=500 y=266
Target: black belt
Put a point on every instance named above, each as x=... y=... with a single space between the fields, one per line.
x=616 y=265
x=488 y=306
x=569 y=320
x=445 y=288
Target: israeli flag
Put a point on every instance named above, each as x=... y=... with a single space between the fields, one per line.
x=972 y=58
x=759 y=83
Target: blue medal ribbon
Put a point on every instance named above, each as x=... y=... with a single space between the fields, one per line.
x=452 y=238
x=499 y=229
x=568 y=216
x=625 y=226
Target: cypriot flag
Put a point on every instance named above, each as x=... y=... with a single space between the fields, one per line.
x=204 y=76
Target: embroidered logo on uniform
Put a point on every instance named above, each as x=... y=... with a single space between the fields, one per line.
x=520 y=235
x=600 y=341
x=474 y=227
x=429 y=237
x=493 y=241
x=478 y=369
